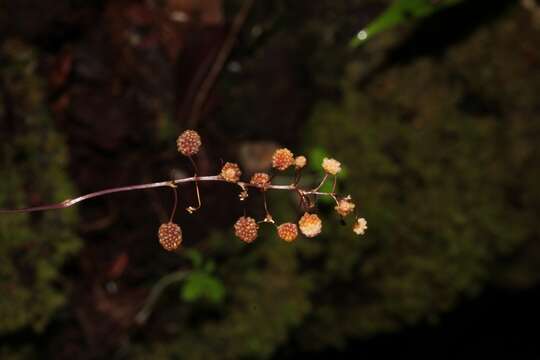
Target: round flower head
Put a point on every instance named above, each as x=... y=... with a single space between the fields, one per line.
x=310 y=225
x=246 y=229
x=260 y=179
x=189 y=143
x=300 y=161
x=231 y=172
x=331 y=166
x=170 y=236
x=282 y=159
x=360 y=226
x=287 y=231
x=345 y=206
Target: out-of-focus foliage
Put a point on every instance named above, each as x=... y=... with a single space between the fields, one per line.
x=440 y=161
x=401 y=11
x=266 y=296
x=33 y=159
x=200 y=283
x=24 y=353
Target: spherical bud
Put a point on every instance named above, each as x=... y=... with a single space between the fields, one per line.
x=331 y=166
x=287 y=231
x=231 y=172
x=170 y=236
x=360 y=226
x=300 y=162
x=246 y=229
x=260 y=179
x=310 y=225
x=282 y=159
x=345 y=206
x=189 y=143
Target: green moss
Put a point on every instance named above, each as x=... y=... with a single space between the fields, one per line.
x=33 y=247
x=436 y=178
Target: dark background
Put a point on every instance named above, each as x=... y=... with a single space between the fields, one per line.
x=434 y=118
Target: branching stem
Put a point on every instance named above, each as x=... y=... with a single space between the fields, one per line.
x=70 y=202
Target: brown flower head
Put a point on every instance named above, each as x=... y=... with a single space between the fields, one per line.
x=282 y=159
x=246 y=229
x=231 y=172
x=287 y=231
x=170 y=236
x=260 y=179
x=189 y=143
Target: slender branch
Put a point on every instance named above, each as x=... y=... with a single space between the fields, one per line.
x=175 y=202
x=321 y=184
x=191 y=209
x=151 y=301
x=70 y=202
x=221 y=58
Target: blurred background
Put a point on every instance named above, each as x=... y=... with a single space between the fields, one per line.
x=431 y=106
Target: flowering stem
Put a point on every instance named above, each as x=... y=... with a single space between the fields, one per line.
x=70 y=202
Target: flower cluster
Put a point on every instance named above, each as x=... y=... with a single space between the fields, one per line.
x=246 y=228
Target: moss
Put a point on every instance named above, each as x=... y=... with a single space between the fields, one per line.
x=435 y=178
x=33 y=247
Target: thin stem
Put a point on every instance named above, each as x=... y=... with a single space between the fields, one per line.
x=265 y=203
x=335 y=198
x=161 y=285
x=175 y=202
x=334 y=185
x=303 y=202
x=194 y=165
x=320 y=185
x=191 y=209
x=297 y=176
x=268 y=217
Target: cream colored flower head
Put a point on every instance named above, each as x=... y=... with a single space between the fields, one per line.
x=345 y=206
x=310 y=225
x=331 y=166
x=360 y=226
x=300 y=161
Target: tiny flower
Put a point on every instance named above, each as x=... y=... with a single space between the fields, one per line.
x=360 y=226
x=170 y=236
x=287 y=231
x=310 y=225
x=282 y=159
x=300 y=161
x=345 y=206
x=331 y=166
x=189 y=143
x=231 y=172
x=246 y=229
x=243 y=195
x=260 y=179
